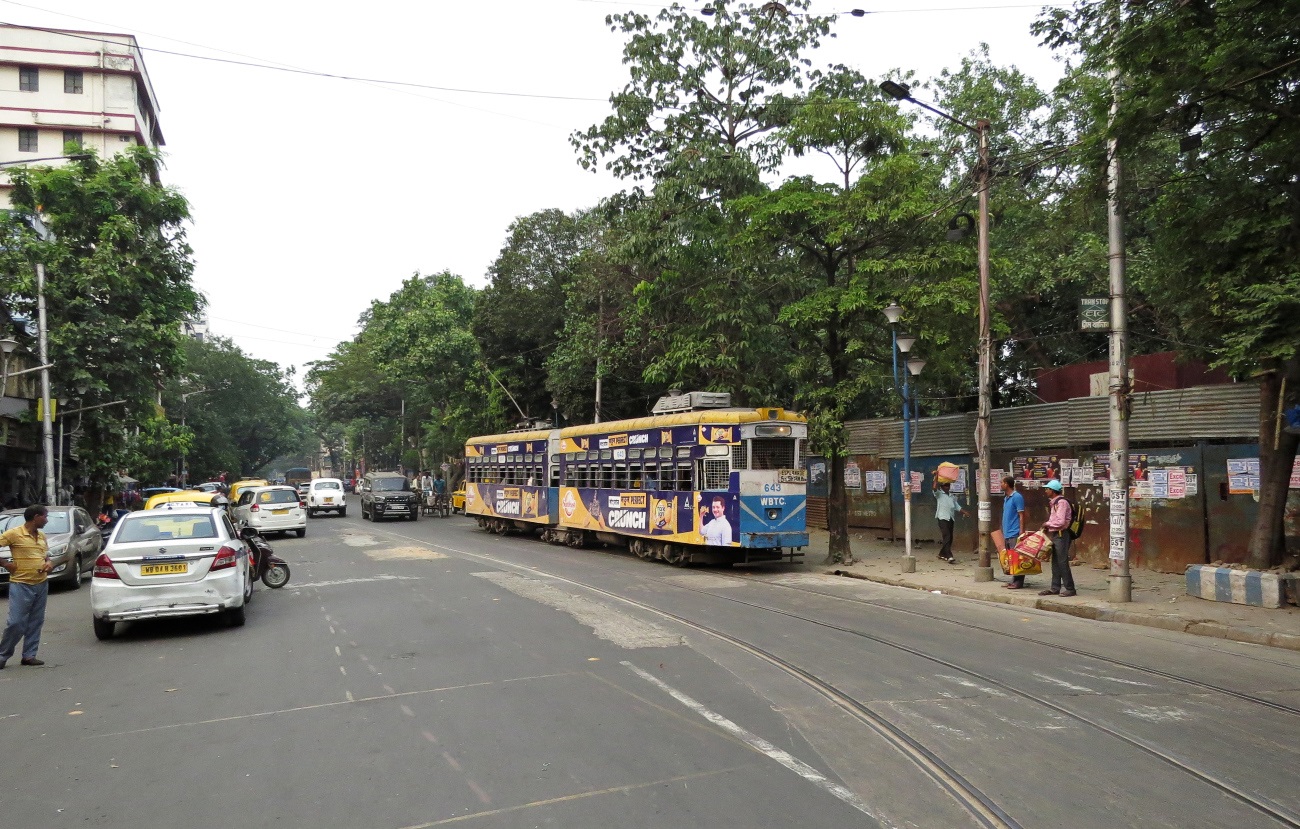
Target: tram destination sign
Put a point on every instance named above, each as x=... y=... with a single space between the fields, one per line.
x=1094 y=313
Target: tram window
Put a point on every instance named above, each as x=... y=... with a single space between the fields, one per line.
x=650 y=476
x=684 y=483
x=593 y=455
x=773 y=453
x=717 y=473
x=634 y=474
x=620 y=476
x=665 y=451
x=633 y=453
x=739 y=456
x=555 y=475
x=606 y=454
x=607 y=476
x=683 y=451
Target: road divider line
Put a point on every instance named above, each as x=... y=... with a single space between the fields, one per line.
x=320 y=705
x=757 y=743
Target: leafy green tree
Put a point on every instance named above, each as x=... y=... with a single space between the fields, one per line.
x=848 y=247
x=243 y=412
x=118 y=286
x=1208 y=116
x=695 y=123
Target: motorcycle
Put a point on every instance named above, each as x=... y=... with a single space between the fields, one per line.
x=267 y=566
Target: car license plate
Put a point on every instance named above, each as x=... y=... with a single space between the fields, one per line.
x=329 y=500
x=164 y=569
x=398 y=507
x=284 y=511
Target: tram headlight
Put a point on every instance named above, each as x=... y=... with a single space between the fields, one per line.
x=773 y=513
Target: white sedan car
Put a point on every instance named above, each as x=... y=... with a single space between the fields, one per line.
x=325 y=494
x=271 y=509
x=171 y=562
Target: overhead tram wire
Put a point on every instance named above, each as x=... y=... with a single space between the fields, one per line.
x=315 y=73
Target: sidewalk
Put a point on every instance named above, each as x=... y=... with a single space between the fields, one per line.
x=1160 y=600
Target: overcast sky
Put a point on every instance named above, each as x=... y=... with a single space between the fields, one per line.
x=313 y=196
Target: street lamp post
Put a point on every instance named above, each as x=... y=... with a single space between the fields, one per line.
x=902 y=344
x=984 y=571
x=185 y=473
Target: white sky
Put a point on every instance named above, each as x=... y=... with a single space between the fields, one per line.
x=313 y=196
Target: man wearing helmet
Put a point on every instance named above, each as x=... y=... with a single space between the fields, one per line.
x=1057 y=528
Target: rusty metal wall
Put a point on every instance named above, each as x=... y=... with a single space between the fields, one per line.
x=865 y=436
x=1230 y=518
x=869 y=509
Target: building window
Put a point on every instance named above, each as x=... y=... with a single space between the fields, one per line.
x=29 y=79
x=26 y=140
x=73 y=83
x=72 y=137
x=125 y=139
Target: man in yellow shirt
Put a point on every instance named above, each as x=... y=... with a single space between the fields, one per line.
x=28 y=588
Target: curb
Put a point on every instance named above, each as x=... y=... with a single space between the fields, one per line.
x=1196 y=627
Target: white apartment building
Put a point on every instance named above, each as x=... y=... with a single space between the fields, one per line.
x=60 y=86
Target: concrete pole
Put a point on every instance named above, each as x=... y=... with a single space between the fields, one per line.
x=1121 y=583
x=47 y=423
x=984 y=572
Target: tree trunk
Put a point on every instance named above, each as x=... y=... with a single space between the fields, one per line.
x=837 y=515
x=1277 y=451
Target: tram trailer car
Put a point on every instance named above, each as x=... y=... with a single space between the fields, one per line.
x=510 y=485
x=707 y=485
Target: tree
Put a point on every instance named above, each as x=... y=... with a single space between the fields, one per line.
x=695 y=122
x=118 y=286
x=1218 y=83
x=848 y=247
x=242 y=412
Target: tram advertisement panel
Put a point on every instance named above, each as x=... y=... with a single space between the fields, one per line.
x=702 y=435
x=684 y=517
x=526 y=503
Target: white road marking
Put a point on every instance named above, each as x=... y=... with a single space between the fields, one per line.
x=348 y=694
x=606 y=622
x=343 y=670
x=311 y=584
x=757 y=743
x=1061 y=682
x=1152 y=713
x=337 y=651
x=966 y=683
x=407 y=711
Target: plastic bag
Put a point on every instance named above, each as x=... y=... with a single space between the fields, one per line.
x=1036 y=545
x=948 y=473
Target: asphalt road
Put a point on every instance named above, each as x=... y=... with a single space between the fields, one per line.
x=426 y=674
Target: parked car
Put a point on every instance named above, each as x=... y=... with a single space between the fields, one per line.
x=149 y=492
x=458 y=499
x=388 y=495
x=73 y=539
x=303 y=488
x=191 y=497
x=326 y=494
x=171 y=562
x=271 y=509
x=239 y=486
x=211 y=486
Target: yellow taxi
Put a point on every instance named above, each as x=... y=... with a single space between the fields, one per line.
x=240 y=486
x=458 y=499
x=185 y=497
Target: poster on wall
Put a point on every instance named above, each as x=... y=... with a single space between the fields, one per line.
x=959 y=485
x=1243 y=476
x=875 y=480
x=995 y=480
x=1137 y=467
x=1035 y=470
x=852 y=475
x=1295 y=475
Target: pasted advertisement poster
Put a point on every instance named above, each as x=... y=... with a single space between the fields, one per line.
x=1036 y=470
x=707 y=518
x=1243 y=476
x=875 y=480
x=852 y=475
x=1138 y=465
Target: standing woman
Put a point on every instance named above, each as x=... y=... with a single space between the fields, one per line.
x=945 y=512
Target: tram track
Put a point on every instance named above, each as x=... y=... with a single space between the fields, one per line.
x=1144 y=669
x=982 y=808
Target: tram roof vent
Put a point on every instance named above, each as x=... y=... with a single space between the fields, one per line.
x=692 y=401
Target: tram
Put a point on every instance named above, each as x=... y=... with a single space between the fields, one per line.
x=698 y=481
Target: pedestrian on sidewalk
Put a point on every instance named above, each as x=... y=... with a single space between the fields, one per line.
x=1013 y=518
x=946 y=509
x=28 y=565
x=1058 y=529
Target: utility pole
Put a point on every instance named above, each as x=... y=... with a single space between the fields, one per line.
x=42 y=345
x=600 y=347
x=1121 y=583
x=984 y=572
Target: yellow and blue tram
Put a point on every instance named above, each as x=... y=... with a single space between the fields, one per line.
x=719 y=485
